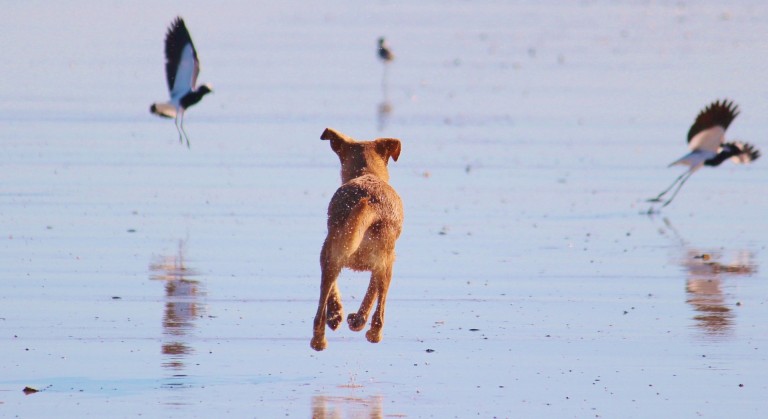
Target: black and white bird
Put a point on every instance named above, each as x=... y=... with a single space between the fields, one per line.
x=385 y=54
x=706 y=139
x=181 y=70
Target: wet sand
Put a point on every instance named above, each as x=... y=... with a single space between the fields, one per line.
x=144 y=279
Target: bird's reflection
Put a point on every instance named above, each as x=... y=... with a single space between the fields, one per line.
x=182 y=309
x=383 y=112
x=384 y=108
x=708 y=272
x=339 y=407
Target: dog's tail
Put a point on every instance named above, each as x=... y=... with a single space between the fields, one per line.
x=348 y=236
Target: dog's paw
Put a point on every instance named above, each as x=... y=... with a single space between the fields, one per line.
x=373 y=336
x=356 y=322
x=318 y=343
x=334 y=319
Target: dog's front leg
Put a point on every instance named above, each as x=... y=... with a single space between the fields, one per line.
x=357 y=320
x=335 y=313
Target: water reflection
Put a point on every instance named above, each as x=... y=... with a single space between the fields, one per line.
x=338 y=407
x=182 y=309
x=383 y=112
x=384 y=108
x=708 y=272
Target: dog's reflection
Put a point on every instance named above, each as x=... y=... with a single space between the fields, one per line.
x=182 y=308
x=707 y=275
x=330 y=407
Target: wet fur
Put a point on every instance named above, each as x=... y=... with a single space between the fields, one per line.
x=365 y=218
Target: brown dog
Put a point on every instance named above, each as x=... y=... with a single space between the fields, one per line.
x=365 y=218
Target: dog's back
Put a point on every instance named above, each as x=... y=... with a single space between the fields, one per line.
x=365 y=218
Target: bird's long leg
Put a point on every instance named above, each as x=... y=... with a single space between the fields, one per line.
x=689 y=173
x=182 y=129
x=658 y=197
x=384 y=77
x=176 y=123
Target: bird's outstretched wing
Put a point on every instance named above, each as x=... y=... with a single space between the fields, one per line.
x=720 y=113
x=743 y=152
x=181 y=63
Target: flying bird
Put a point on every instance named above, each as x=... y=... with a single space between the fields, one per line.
x=385 y=53
x=706 y=139
x=181 y=70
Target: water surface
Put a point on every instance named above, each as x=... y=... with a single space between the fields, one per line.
x=143 y=278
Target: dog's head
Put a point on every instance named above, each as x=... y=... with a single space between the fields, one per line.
x=362 y=157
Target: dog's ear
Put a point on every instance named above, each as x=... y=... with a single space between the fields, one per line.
x=388 y=147
x=337 y=139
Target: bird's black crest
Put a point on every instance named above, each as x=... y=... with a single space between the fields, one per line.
x=175 y=40
x=193 y=97
x=719 y=113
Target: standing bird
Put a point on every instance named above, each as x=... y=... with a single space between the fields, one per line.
x=385 y=53
x=181 y=70
x=706 y=139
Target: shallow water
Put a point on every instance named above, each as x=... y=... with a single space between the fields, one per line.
x=142 y=278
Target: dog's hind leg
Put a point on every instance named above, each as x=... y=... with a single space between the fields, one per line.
x=382 y=279
x=330 y=272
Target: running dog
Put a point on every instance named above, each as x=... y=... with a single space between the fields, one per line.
x=365 y=218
